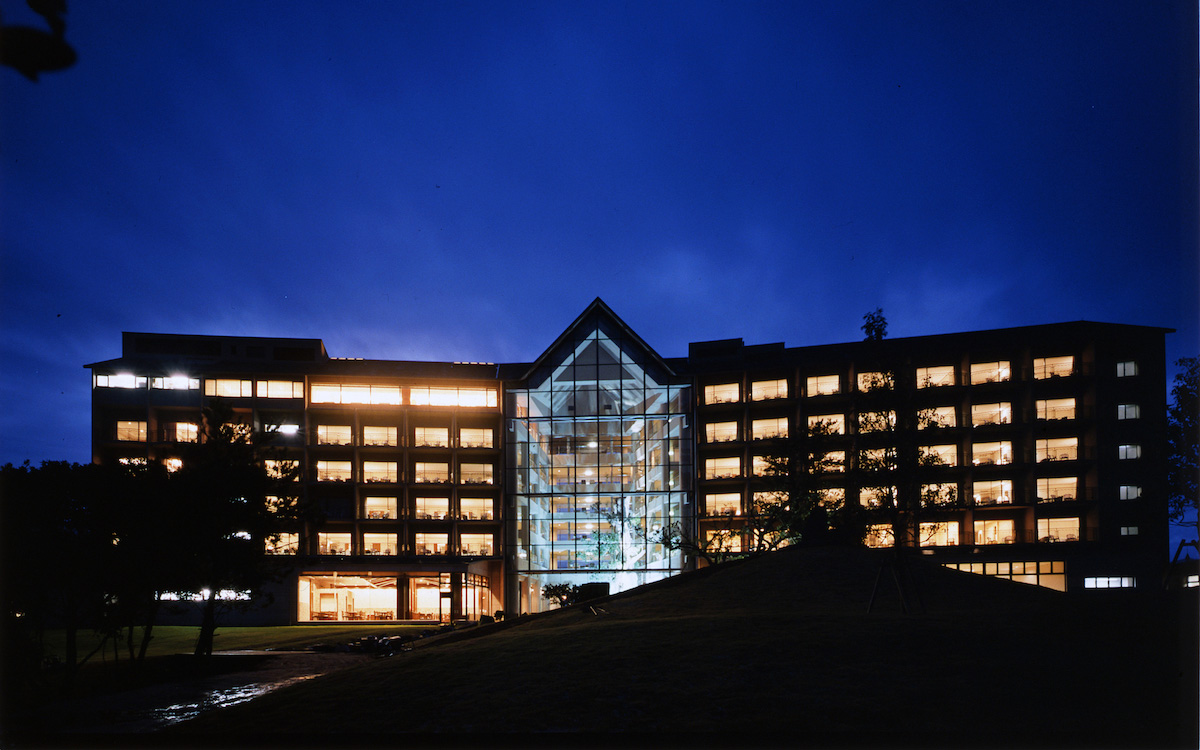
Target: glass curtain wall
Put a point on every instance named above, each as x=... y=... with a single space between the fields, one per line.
x=600 y=463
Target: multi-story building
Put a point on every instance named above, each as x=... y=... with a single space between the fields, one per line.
x=450 y=490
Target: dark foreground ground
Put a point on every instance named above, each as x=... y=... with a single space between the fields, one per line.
x=777 y=651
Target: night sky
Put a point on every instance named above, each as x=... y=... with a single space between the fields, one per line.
x=457 y=181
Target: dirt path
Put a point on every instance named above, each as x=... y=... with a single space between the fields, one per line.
x=157 y=706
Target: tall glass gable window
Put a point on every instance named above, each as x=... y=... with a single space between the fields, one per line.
x=599 y=458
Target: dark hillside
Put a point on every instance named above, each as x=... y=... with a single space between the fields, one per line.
x=778 y=647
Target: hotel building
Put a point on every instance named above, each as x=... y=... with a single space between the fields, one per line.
x=451 y=490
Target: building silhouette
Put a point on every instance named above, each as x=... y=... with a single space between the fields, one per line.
x=449 y=490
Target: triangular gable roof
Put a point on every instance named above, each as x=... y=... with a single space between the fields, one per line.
x=597 y=315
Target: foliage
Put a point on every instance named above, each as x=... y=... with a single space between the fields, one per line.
x=874 y=325
x=564 y=594
x=1183 y=432
x=229 y=504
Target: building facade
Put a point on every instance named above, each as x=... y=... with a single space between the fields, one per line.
x=451 y=490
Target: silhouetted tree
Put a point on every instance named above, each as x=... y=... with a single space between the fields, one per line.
x=874 y=325
x=32 y=51
x=564 y=594
x=1183 y=453
x=227 y=504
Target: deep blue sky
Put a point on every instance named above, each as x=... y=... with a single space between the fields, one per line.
x=458 y=180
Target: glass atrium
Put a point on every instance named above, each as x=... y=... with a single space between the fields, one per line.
x=600 y=463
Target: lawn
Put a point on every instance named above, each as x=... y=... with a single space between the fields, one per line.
x=177 y=639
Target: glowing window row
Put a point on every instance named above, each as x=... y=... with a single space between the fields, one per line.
x=990 y=531
x=1045 y=573
x=373 y=543
x=388 y=471
x=376 y=435
x=436 y=508
x=390 y=395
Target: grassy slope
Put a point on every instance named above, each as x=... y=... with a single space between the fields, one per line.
x=778 y=644
x=178 y=639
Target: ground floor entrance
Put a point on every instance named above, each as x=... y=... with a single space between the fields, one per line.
x=351 y=596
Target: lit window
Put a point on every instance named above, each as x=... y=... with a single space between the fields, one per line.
x=985 y=414
x=431 y=544
x=1058 y=529
x=122 y=380
x=721 y=432
x=1128 y=411
x=475 y=544
x=933 y=377
x=993 y=492
x=724 y=504
x=834 y=424
x=877 y=497
x=832 y=498
x=132 y=461
x=228 y=388
x=879 y=535
x=875 y=381
x=475 y=473
x=333 y=471
x=823 y=385
x=286 y=543
x=939 y=534
x=832 y=461
x=723 y=541
x=1109 y=582
x=379 y=507
x=1129 y=492
x=431 y=472
x=380 y=471
x=941 y=493
x=1127 y=369
x=379 y=435
x=936 y=417
x=990 y=372
x=352 y=393
x=725 y=393
x=1129 y=451
x=765 y=429
x=451 y=396
x=431 y=437
x=722 y=468
x=1056 y=408
x=476 y=508
x=1056 y=489
x=181 y=432
x=379 y=544
x=280 y=389
x=131 y=430
x=173 y=464
x=877 y=459
x=762 y=466
x=436 y=508
x=282 y=468
x=333 y=434
x=1129 y=530
x=983 y=454
x=1058 y=449
x=1053 y=367
x=175 y=383
x=1193 y=581
x=330 y=543
x=475 y=437
x=876 y=421
x=939 y=455
x=763 y=390
x=999 y=531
